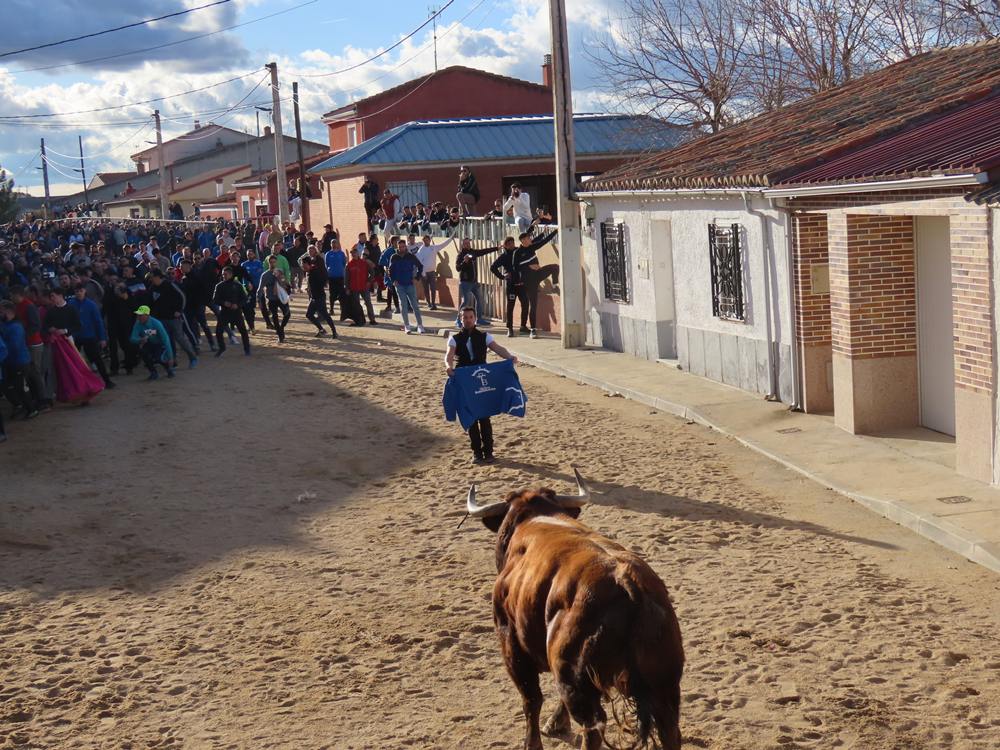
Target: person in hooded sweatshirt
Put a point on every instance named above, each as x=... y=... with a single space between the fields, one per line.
x=92 y=337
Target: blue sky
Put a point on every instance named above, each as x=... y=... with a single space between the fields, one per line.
x=307 y=37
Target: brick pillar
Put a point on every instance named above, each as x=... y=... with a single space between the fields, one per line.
x=812 y=310
x=873 y=322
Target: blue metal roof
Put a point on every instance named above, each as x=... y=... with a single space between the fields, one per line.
x=505 y=138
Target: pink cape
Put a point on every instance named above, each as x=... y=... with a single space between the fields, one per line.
x=75 y=383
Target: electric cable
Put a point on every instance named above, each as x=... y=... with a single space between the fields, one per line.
x=147 y=125
x=117 y=28
x=383 y=52
x=168 y=44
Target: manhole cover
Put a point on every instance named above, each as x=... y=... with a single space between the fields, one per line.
x=789 y=430
x=955 y=499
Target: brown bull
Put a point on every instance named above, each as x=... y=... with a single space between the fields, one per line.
x=573 y=602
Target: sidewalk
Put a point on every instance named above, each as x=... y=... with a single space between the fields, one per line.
x=908 y=478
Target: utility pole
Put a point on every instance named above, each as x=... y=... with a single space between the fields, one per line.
x=303 y=182
x=83 y=174
x=162 y=167
x=570 y=252
x=45 y=181
x=279 y=146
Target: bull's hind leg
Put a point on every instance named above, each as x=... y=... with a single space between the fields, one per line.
x=525 y=676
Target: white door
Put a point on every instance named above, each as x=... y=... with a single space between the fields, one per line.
x=935 y=344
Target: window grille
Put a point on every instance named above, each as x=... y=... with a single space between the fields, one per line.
x=615 y=266
x=727 y=272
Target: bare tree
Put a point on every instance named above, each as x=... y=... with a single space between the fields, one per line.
x=681 y=60
x=973 y=20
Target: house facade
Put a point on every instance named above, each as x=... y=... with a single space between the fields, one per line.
x=852 y=236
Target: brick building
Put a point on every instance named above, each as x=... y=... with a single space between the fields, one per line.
x=837 y=254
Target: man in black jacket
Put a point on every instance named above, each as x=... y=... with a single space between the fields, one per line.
x=371 y=197
x=468 y=280
x=167 y=306
x=518 y=266
x=196 y=297
x=230 y=296
x=468 y=191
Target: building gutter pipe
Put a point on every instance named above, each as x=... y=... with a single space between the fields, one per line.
x=765 y=253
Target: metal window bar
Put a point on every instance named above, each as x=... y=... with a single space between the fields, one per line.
x=727 y=272
x=615 y=266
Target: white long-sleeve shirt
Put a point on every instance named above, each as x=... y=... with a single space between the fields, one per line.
x=521 y=205
x=427 y=255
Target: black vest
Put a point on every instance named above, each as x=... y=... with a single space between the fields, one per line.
x=478 y=347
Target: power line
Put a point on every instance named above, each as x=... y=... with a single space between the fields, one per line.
x=4 y=118
x=147 y=125
x=433 y=17
x=168 y=44
x=117 y=28
x=73 y=177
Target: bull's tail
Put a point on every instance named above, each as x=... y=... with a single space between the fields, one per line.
x=651 y=687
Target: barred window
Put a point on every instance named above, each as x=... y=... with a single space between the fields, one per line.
x=615 y=265
x=727 y=272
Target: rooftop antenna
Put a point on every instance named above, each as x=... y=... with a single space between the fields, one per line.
x=433 y=10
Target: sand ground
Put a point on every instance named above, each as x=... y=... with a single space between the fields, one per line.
x=263 y=553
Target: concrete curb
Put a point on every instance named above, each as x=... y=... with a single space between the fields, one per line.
x=938 y=530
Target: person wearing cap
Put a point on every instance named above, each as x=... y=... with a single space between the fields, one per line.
x=468 y=190
x=328 y=237
x=153 y=341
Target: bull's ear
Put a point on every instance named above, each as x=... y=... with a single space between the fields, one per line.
x=494 y=522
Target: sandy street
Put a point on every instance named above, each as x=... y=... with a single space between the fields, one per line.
x=263 y=553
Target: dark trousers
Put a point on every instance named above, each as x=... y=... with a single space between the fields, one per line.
x=13 y=384
x=230 y=317
x=391 y=298
x=250 y=311
x=520 y=293
x=337 y=291
x=119 y=345
x=152 y=355
x=316 y=312
x=481 y=437
x=197 y=322
x=279 y=322
x=92 y=349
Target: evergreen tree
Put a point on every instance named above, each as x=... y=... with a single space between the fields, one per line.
x=8 y=198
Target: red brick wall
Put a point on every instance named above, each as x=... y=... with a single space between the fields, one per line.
x=970 y=267
x=873 y=308
x=812 y=308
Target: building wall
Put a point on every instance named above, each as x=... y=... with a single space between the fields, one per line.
x=200 y=141
x=733 y=352
x=972 y=305
x=812 y=310
x=449 y=94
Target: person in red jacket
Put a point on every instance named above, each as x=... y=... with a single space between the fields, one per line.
x=359 y=271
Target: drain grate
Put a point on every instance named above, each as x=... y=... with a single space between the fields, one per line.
x=789 y=430
x=955 y=499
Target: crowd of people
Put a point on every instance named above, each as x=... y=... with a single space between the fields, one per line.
x=84 y=302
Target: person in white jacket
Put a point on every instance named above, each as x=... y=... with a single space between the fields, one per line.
x=427 y=255
x=521 y=203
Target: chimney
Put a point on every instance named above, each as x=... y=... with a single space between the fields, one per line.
x=547 y=71
x=218 y=187
x=197 y=124
x=267 y=130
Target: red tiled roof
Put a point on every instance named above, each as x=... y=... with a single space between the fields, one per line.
x=419 y=81
x=775 y=147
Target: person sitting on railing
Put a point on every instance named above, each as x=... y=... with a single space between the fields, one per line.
x=542 y=216
x=468 y=191
x=520 y=204
x=450 y=225
x=438 y=212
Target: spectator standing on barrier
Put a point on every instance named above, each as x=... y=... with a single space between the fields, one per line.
x=427 y=255
x=520 y=203
x=517 y=266
x=391 y=209
x=468 y=280
x=369 y=190
x=404 y=268
x=468 y=191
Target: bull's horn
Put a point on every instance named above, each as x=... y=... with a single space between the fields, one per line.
x=483 y=511
x=581 y=497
